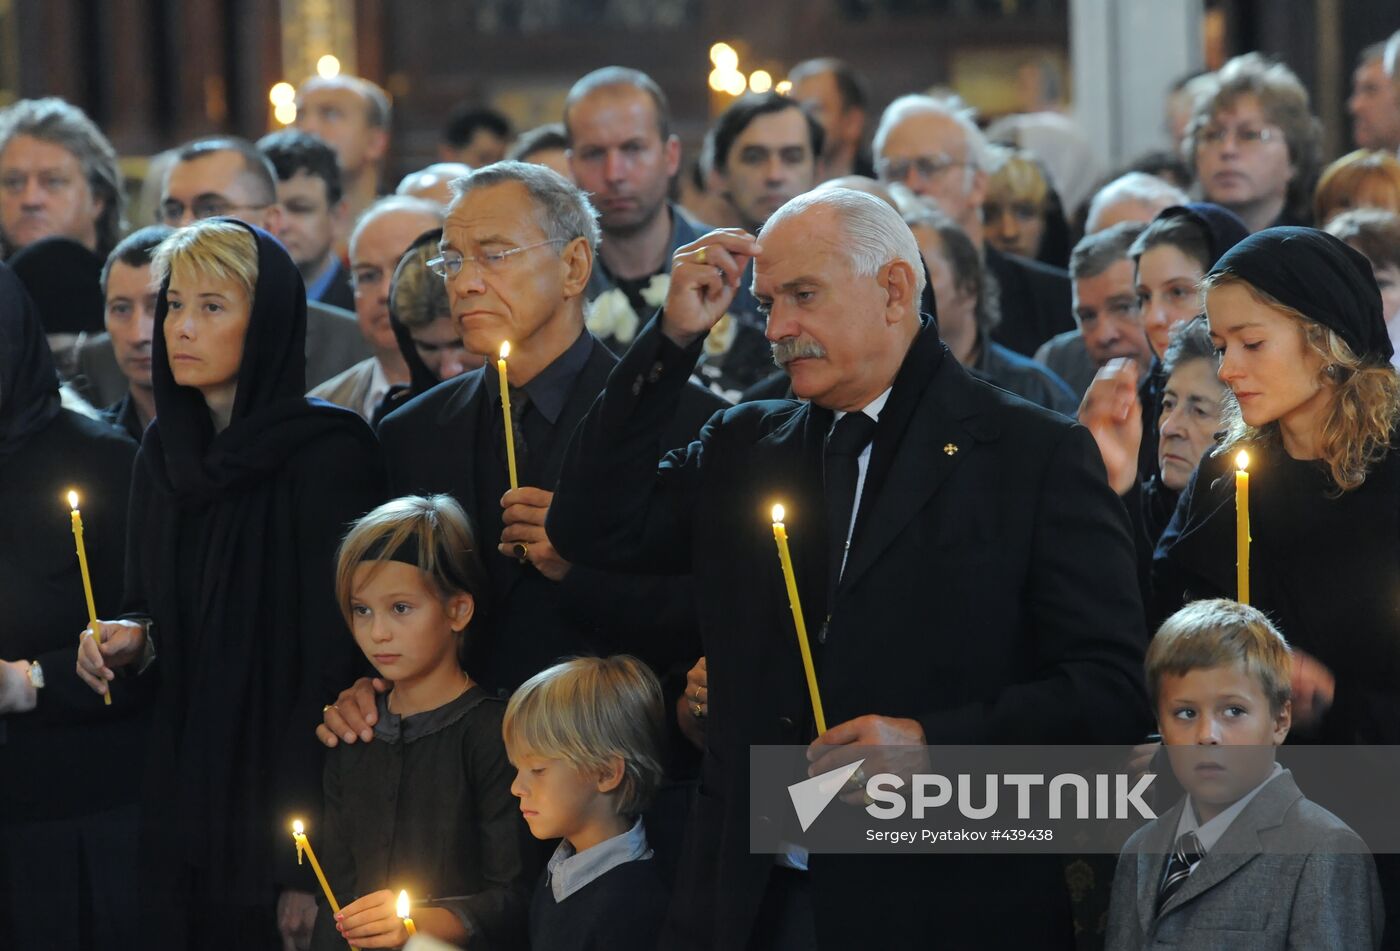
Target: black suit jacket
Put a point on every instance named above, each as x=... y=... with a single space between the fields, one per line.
x=1036 y=301
x=531 y=622
x=989 y=593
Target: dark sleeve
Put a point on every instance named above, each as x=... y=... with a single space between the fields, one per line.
x=615 y=507
x=1086 y=614
x=1179 y=572
x=496 y=916
x=334 y=488
x=332 y=840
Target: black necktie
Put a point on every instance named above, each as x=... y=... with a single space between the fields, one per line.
x=1188 y=852
x=844 y=444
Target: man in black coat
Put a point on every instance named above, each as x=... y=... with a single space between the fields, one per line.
x=985 y=593
x=518 y=247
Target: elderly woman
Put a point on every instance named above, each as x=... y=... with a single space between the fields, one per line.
x=1254 y=143
x=240 y=493
x=1360 y=179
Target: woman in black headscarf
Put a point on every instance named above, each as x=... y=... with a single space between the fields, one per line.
x=68 y=774
x=241 y=492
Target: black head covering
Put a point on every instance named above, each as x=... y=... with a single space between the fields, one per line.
x=65 y=280
x=271 y=419
x=28 y=380
x=421 y=379
x=1321 y=278
x=1223 y=228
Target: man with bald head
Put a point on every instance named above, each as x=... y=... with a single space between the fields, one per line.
x=966 y=572
x=933 y=147
x=353 y=116
x=433 y=182
x=381 y=236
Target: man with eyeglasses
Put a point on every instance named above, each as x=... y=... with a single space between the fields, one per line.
x=517 y=251
x=58 y=178
x=229 y=176
x=932 y=147
x=381 y=236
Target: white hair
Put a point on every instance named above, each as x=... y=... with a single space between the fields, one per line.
x=951 y=107
x=1145 y=189
x=1391 y=60
x=875 y=234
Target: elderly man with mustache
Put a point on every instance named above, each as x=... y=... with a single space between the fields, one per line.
x=966 y=572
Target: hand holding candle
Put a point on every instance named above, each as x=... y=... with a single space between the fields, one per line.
x=304 y=846
x=785 y=557
x=77 y=519
x=505 y=410
x=402 y=910
x=1242 y=527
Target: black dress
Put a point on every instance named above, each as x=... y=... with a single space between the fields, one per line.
x=427 y=806
x=231 y=555
x=69 y=768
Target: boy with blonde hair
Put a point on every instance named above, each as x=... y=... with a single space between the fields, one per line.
x=586 y=738
x=1245 y=857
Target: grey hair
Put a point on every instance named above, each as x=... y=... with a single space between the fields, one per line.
x=562 y=208
x=65 y=125
x=391 y=203
x=875 y=233
x=1187 y=341
x=1391 y=60
x=978 y=157
x=1096 y=253
x=1134 y=186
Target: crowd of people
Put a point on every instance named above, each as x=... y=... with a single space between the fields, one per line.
x=457 y=609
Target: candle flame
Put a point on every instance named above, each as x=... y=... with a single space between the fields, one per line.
x=73 y=500
x=1242 y=460
x=298 y=828
x=778 y=513
x=505 y=349
x=401 y=907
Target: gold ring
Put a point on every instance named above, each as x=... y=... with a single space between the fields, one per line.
x=326 y=707
x=697 y=711
x=700 y=255
x=522 y=551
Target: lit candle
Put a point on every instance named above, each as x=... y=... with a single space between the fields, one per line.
x=1242 y=527
x=402 y=911
x=784 y=556
x=87 y=580
x=505 y=409
x=304 y=845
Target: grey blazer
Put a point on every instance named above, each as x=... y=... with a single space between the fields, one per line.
x=1286 y=874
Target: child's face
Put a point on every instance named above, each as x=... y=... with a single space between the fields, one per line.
x=557 y=799
x=1220 y=733
x=401 y=622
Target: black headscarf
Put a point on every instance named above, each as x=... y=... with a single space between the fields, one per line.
x=65 y=280
x=28 y=380
x=1222 y=227
x=236 y=561
x=1321 y=278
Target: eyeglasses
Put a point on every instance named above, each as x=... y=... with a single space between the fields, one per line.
x=1245 y=136
x=897 y=170
x=449 y=262
x=172 y=211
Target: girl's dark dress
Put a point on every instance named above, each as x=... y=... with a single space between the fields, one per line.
x=231 y=554
x=426 y=806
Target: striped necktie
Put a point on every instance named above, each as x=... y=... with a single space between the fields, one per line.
x=1188 y=852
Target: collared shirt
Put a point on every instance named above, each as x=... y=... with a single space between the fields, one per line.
x=323 y=281
x=873 y=410
x=569 y=870
x=549 y=389
x=1210 y=832
x=378 y=387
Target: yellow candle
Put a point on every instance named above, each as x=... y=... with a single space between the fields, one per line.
x=505 y=408
x=1242 y=527
x=87 y=580
x=401 y=910
x=784 y=556
x=304 y=845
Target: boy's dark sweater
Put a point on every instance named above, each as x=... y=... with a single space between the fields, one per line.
x=620 y=910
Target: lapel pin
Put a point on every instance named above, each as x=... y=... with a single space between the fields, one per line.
x=951 y=449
